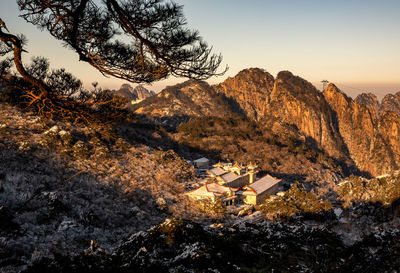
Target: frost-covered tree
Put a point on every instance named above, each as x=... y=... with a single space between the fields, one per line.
x=295 y=201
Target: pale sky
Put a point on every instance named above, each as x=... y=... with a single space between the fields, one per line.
x=352 y=43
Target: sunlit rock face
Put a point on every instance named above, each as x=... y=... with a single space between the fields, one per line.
x=251 y=88
x=178 y=103
x=142 y=92
x=288 y=99
x=391 y=103
x=362 y=132
x=360 y=129
x=370 y=100
x=132 y=94
x=296 y=101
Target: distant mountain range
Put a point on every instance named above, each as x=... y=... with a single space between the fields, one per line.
x=362 y=132
x=391 y=102
x=132 y=94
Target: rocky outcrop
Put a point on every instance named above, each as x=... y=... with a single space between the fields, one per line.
x=288 y=99
x=296 y=101
x=132 y=94
x=391 y=103
x=360 y=133
x=176 y=104
x=361 y=130
x=389 y=131
x=370 y=100
x=126 y=91
x=142 y=92
x=251 y=89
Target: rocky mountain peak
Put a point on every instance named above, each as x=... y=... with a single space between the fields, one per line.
x=342 y=128
x=391 y=102
x=254 y=76
x=296 y=86
x=367 y=136
x=250 y=88
x=176 y=104
x=369 y=100
x=297 y=102
x=127 y=92
x=332 y=89
x=285 y=74
x=142 y=92
x=132 y=94
x=127 y=86
x=334 y=96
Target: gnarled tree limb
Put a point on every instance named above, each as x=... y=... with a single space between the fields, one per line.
x=158 y=44
x=15 y=44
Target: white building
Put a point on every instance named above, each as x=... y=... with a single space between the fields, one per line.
x=201 y=163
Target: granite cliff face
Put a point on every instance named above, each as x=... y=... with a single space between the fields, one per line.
x=142 y=92
x=251 y=89
x=360 y=133
x=285 y=100
x=363 y=131
x=370 y=100
x=176 y=104
x=132 y=94
x=391 y=102
x=296 y=101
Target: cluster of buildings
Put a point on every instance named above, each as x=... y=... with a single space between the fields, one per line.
x=232 y=183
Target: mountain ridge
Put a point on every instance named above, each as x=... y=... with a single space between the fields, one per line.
x=133 y=94
x=389 y=103
x=352 y=131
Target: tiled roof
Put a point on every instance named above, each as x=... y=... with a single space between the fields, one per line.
x=236 y=166
x=217 y=171
x=252 y=166
x=211 y=189
x=219 y=164
x=215 y=187
x=229 y=177
x=262 y=184
x=203 y=159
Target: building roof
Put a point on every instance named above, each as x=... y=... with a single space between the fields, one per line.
x=211 y=189
x=229 y=198
x=252 y=166
x=236 y=166
x=217 y=171
x=261 y=185
x=229 y=177
x=203 y=159
x=219 y=164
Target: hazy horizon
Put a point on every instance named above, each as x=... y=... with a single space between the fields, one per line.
x=352 y=89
